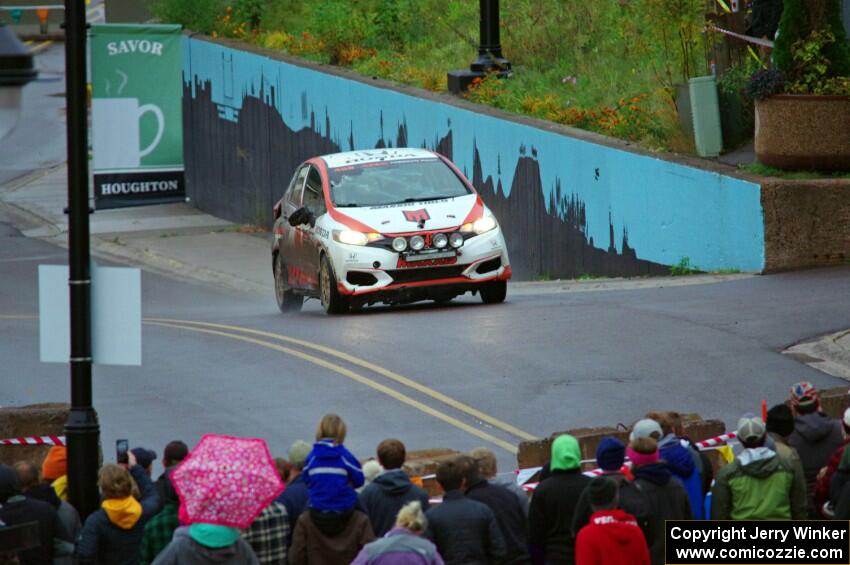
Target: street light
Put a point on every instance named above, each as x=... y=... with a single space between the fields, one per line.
x=16 y=70
x=490 y=58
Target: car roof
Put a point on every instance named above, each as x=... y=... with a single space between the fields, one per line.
x=335 y=160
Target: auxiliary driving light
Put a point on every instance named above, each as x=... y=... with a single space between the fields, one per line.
x=399 y=244
x=456 y=240
x=440 y=240
x=417 y=242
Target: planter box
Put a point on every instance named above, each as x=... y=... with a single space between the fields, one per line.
x=803 y=132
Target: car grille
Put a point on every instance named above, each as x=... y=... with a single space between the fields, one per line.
x=426 y=274
x=489 y=266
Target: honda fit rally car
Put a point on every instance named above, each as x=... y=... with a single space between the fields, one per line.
x=386 y=225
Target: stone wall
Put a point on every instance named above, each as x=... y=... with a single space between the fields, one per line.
x=33 y=420
x=806 y=223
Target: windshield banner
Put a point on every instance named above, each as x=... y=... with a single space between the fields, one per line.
x=137 y=120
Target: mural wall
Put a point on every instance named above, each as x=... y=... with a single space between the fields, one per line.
x=568 y=206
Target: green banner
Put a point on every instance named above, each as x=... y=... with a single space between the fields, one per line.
x=137 y=122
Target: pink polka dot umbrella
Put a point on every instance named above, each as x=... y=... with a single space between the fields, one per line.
x=226 y=480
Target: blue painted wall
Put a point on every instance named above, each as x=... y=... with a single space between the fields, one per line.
x=630 y=203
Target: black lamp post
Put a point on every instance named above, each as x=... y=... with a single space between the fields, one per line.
x=82 y=431
x=490 y=58
x=16 y=70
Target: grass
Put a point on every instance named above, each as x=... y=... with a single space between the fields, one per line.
x=765 y=170
x=684 y=268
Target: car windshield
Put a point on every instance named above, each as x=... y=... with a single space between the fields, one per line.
x=394 y=182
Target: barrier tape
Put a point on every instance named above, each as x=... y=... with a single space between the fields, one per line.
x=35 y=440
x=748 y=38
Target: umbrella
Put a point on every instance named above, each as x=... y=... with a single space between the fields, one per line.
x=226 y=480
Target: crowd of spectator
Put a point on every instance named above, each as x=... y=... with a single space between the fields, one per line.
x=334 y=511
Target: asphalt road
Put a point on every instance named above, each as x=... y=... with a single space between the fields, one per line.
x=534 y=365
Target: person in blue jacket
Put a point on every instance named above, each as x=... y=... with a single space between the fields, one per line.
x=682 y=461
x=330 y=470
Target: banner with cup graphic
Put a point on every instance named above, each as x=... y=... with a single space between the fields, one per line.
x=137 y=120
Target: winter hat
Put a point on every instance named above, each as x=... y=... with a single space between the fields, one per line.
x=780 y=420
x=643 y=451
x=804 y=395
x=212 y=535
x=144 y=457
x=55 y=464
x=371 y=470
x=298 y=453
x=750 y=429
x=610 y=454
x=646 y=428
x=603 y=491
x=566 y=454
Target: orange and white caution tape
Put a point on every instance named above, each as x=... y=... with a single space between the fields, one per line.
x=34 y=440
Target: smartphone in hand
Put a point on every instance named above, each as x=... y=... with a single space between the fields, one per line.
x=122 y=446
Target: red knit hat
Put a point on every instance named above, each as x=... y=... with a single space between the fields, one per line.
x=55 y=464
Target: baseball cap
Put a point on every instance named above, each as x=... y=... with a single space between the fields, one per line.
x=750 y=428
x=144 y=457
x=298 y=453
x=646 y=428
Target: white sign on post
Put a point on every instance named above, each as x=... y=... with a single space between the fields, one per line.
x=116 y=316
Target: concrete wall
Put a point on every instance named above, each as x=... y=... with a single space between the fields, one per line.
x=570 y=202
x=806 y=223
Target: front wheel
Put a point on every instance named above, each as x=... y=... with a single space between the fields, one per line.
x=494 y=292
x=287 y=300
x=332 y=301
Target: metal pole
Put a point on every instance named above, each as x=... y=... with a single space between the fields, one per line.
x=82 y=430
x=489 y=47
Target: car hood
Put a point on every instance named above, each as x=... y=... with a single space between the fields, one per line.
x=404 y=218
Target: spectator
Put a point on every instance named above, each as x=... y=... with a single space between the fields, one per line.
x=32 y=488
x=284 y=469
x=160 y=529
x=646 y=428
x=402 y=545
x=610 y=456
x=113 y=534
x=816 y=436
x=331 y=471
x=16 y=509
x=701 y=458
x=667 y=498
x=371 y=469
x=465 y=531
x=269 y=534
x=612 y=537
x=145 y=459
x=296 y=495
x=507 y=510
x=54 y=470
x=682 y=461
x=390 y=490
x=175 y=452
x=200 y=544
x=487 y=466
x=550 y=517
x=780 y=426
x=824 y=477
x=329 y=538
x=758 y=484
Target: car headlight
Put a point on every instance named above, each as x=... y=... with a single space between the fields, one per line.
x=417 y=242
x=456 y=240
x=399 y=244
x=484 y=224
x=440 y=240
x=352 y=237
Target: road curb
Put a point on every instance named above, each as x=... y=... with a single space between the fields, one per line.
x=829 y=354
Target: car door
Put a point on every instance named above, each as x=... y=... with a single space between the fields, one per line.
x=292 y=239
x=314 y=201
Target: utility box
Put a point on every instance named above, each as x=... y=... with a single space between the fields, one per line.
x=705 y=111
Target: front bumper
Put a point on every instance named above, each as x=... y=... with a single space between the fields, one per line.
x=368 y=270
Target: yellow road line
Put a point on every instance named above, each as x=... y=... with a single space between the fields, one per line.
x=353 y=376
x=419 y=387
x=41 y=47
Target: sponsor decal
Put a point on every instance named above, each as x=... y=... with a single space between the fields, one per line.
x=416 y=216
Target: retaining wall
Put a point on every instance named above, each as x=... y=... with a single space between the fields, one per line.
x=570 y=202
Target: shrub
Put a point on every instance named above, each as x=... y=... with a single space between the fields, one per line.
x=197 y=15
x=800 y=19
x=764 y=83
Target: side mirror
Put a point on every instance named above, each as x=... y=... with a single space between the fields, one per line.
x=302 y=216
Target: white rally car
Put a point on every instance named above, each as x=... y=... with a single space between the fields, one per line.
x=384 y=225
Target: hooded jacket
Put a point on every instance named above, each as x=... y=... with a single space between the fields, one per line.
x=399 y=547
x=68 y=515
x=183 y=550
x=822 y=484
x=329 y=538
x=681 y=462
x=113 y=534
x=465 y=531
x=668 y=501
x=815 y=437
x=386 y=495
x=611 y=538
x=509 y=517
x=633 y=501
x=332 y=473
x=759 y=485
x=550 y=516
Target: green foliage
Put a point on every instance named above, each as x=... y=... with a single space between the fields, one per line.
x=197 y=15
x=811 y=69
x=800 y=19
x=684 y=267
x=767 y=171
x=764 y=83
x=737 y=77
